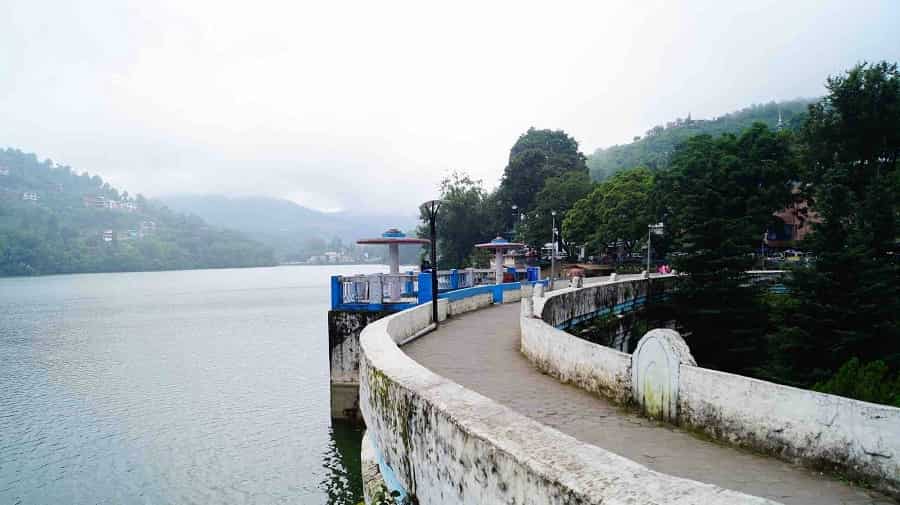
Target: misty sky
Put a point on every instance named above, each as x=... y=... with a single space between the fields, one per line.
x=366 y=106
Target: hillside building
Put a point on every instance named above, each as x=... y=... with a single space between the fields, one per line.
x=30 y=196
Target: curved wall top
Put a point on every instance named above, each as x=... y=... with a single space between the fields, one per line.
x=856 y=438
x=449 y=445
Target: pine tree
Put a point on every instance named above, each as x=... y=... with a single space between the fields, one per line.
x=719 y=197
x=848 y=303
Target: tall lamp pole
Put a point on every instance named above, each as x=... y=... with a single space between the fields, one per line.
x=652 y=229
x=431 y=209
x=553 y=251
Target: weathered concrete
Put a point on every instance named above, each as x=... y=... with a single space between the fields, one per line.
x=857 y=439
x=344 y=328
x=489 y=340
x=450 y=445
x=592 y=367
x=655 y=371
x=373 y=481
x=470 y=303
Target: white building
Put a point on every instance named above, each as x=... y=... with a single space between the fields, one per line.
x=30 y=196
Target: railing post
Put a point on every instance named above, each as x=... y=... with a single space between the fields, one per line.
x=337 y=288
x=424 y=287
x=454 y=279
x=376 y=291
x=409 y=283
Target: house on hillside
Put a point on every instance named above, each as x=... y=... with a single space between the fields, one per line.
x=146 y=228
x=795 y=223
x=108 y=235
x=3 y=171
x=30 y=196
x=94 y=201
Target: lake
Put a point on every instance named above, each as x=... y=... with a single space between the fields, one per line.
x=188 y=387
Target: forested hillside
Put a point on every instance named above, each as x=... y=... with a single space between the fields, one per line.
x=654 y=149
x=54 y=220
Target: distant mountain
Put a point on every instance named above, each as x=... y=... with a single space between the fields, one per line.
x=293 y=231
x=654 y=148
x=54 y=220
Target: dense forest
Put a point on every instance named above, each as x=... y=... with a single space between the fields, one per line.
x=655 y=148
x=54 y=220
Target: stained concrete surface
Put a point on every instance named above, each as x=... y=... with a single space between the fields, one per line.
x=480 y=351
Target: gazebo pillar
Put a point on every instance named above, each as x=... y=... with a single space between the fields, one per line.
x=499 y=266
x=394 y=282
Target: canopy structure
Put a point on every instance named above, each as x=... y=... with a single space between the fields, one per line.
x=499 y=245
x=393 y=238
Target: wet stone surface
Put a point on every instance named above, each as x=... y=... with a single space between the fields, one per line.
x=480 y=351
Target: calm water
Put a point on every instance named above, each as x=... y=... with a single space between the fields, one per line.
x=203 y=387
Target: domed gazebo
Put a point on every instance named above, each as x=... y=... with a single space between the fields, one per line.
x=499 y=245
x=393 y=238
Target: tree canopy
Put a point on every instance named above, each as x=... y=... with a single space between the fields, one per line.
x=536 y=156
x=848 y=303
x=719 y=196
x=619 y=208
x=464 y=220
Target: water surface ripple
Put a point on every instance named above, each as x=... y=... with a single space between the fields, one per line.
x=197 y=387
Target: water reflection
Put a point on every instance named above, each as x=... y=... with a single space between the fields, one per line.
x=343 y=477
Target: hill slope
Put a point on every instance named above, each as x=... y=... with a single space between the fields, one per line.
x=653 y=149
x=53 y=220
x=293 y=231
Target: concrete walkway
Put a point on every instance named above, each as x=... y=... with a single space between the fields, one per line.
x=480 y=351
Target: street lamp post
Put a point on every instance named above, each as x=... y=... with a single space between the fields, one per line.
x=431 y=209
x=553 y=251
x=652 y=229
x=514 y=221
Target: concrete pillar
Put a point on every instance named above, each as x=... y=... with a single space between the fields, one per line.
x=499 y=266
x=656 y=372
x=376 y=291
x=394 y=288
x=344 y=327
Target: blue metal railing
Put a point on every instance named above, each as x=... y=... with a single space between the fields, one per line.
x=393 y=292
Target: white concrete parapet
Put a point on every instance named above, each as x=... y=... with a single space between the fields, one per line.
x=860 y=439
x=445 y=444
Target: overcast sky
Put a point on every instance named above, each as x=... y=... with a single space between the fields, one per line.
x=366 y=106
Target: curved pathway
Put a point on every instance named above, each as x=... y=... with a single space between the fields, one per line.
x=480 y=350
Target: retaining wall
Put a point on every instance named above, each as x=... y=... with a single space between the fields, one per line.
x=444 y=444
x=857 y=438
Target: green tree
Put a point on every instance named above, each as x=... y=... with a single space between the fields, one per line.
x=848 y=303
x=655 y=149
x=535 y=157
x=618 y=209
x=462 y=221
x=559 y=194
x=719 y=196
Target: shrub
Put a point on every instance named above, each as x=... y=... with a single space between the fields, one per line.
x=870 y=382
